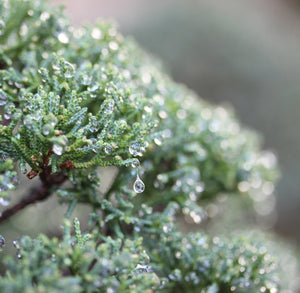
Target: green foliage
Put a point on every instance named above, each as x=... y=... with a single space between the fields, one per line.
x=77 y=264
x=76 y=100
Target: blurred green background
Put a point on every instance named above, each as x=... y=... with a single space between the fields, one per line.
x=240 y=52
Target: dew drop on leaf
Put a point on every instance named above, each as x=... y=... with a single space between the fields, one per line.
x=7 y=116
x=134 y=149
x=135 y=163
x=86 y=80
x=108 y=149
x=69 y=70
x=47 y=128
x=63 y=38
x=57 y=149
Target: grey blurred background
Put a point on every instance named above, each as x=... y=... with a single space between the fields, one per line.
x=242 y=52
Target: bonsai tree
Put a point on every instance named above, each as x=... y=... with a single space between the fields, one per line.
x=74 y=100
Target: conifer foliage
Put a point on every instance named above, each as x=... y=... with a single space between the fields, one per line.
x=73 y=100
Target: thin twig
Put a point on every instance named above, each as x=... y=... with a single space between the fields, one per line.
x=38 y=194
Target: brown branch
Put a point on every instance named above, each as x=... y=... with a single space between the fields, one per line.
x=37 y=194
x=2 y=64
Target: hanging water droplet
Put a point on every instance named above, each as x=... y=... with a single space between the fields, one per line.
x=69 y=70
x=3 y=98
x=47 y=128
x=2 y=241
x=108 y=149
x=138 y=185
x=19 y=255
x=57 y=149
x=109 y=107
x=2 y=27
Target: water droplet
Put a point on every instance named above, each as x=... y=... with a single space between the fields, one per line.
x=19 y=255
x=93 y=87
x=28 y=120
x=143 y=268
x=69 y=70
x=57 y=149
x=181 y=114
x=7 y=116
x=2 y=27
x=138 y=185
x=55 y=67
x=148 y=109
x=134 y=149
x=23 y=30
x=37 y=115
x=146 y=77
x=53 y=258
x=3 y=98
x=16 y=244
x=109 y=107
x=47 y=128
x=44 y=16
x=2 y=241
x=113 y=46
x=86 y=80
x=157 y=141
x=96 y=33
x=51 y=119
x=63 y=38
x=135 y=163
x=4 y=201
x=162 y=114
x=108 y=149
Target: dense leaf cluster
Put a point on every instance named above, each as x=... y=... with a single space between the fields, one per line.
x=73 y=100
